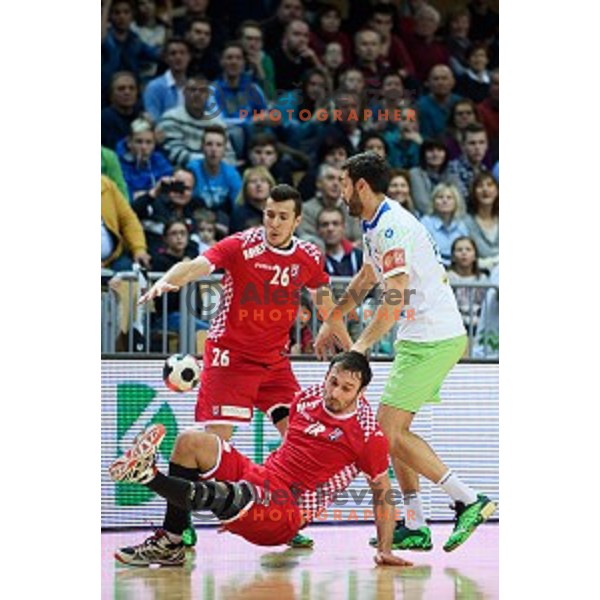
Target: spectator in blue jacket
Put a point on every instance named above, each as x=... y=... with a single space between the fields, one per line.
x=235 y=90
x=217 y=183
x=122 y=49
x=141 y=163
x=166 y=91
x=445 y=223
x=434 y=108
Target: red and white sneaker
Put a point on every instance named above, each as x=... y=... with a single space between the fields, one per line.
x=137 y=465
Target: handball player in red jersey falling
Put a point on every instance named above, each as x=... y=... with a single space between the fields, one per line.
x=332 y=437
x=245 y=361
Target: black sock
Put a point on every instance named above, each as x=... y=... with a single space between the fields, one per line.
x=176 y=518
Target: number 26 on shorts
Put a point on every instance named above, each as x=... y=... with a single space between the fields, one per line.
x=220 y=358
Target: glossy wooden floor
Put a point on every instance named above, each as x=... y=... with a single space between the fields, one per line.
x=340 y=567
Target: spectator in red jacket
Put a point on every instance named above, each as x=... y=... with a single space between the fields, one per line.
x=426 y=50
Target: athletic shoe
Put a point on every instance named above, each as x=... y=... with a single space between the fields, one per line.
x=155 y=550
x=137 y=464
x=301 y=541
x=468 y=518
x=189 y=537
x=404 y=538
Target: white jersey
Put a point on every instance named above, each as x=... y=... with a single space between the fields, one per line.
x=395 y=242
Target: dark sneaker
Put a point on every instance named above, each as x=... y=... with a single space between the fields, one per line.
x=468 y=518
x=418 y=540
x=156 y=550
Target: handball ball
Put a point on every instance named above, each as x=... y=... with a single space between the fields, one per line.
x=181 y=372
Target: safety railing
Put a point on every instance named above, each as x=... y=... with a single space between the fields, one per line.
x=159 y=330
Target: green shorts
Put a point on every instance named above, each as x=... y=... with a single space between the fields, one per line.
x=418 y=371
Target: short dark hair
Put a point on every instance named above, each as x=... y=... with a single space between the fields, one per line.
x=262 y=139
x=177 y=40
x=195 y=20
x=355 y=362
x=373 y=135
x=472 y=128
x=370 y=167
x=234 y=44
x=384 y=9
x=175 y=221
x=283 y=192
x=214 y=129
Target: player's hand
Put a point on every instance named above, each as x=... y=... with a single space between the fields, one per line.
x=158 y=289
x=360 y=348
x=389 y=559
x=324 y=342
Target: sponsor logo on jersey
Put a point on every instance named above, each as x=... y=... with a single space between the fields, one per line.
x=302 y=406
x=393 y=259
x=254 y=251
x=236 y=411
x=264 y=266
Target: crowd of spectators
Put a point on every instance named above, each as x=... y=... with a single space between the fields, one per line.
x=206 y=105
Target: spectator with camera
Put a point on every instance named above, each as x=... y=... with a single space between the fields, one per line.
x=170 y=198
x=142 y=165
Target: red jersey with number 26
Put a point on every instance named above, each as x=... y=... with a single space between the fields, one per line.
x=322 y=452
x=261 y=292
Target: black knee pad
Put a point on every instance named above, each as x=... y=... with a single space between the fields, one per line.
x=279 y=413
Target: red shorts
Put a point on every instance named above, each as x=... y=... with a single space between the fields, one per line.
x=231 y=386
x=274 y=518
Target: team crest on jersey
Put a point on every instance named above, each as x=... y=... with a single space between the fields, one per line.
x=336 y=434
x=389 y=233
x=294 y=271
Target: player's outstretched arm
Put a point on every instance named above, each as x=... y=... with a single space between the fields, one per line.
x=385 y=521
x=334 y=333
x=177 y=276
x=387 y=314
x=333 y=324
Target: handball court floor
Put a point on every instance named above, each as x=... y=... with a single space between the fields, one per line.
x=225 y=566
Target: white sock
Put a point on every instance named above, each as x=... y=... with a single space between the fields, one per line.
x=413 y=510
x=456 y=489
x=173 y=537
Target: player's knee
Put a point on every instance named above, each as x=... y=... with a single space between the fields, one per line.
x=190 y=442
x=398 y=443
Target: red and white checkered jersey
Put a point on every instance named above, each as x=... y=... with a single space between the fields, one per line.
x=261 y=291
x=322 y=452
